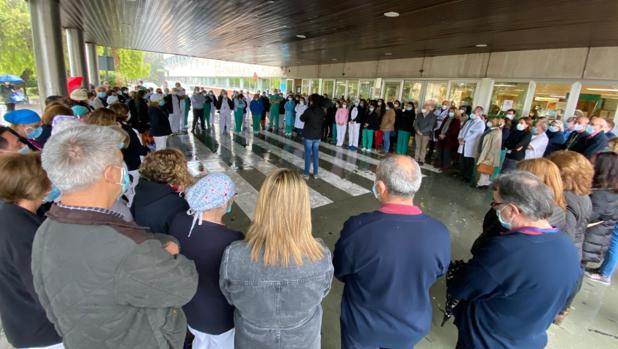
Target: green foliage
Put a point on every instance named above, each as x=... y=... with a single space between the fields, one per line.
x=129 y=65
x=16 y=52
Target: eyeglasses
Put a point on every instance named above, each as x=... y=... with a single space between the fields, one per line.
x=494 y=204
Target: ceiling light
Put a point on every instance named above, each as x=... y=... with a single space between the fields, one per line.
x=602 y=89
x=391 y=14
x=480 y=45
x=388 y=54
x=301 y=36
x=270 y=2
x=334 y=59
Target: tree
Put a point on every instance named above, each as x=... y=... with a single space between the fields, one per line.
x=15 y=37
x=128 y=65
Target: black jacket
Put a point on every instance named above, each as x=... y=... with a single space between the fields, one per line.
x=155 y=205
x=579 y=210
x=404 y=121
x=372 y=121
x=597 y=237
x=132 y=153
x=313 y=118
x=159 y=122
x=23 y=317
x=517 y=140
x=219 y=102
x=330 y=115
x=589 y=146
x=266 y=103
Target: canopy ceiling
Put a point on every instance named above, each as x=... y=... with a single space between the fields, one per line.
x=264 y=32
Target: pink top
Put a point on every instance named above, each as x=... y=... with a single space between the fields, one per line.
x=341 y=117
x=401 y=209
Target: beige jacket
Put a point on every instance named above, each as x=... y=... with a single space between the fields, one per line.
x=490 y=149
x=388 y=121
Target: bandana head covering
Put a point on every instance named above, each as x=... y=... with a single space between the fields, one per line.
x=213 y=191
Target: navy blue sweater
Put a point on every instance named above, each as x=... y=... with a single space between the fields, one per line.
x=388 y=262
x=208 y=311
x=512 y=289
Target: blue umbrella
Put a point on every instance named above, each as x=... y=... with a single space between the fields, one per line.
x=13 y=79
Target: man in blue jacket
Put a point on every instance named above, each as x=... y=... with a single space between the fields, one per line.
x=513 y=288
x=388 y=260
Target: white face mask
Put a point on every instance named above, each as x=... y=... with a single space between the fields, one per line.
x=521 y=127
x=408 y=108
x=451 y=114
x=578 y=127
x=510 y=116
x=490 y=124
x=444 y=107
x=424 y=111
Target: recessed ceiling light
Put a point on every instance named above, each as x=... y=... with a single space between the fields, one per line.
x=602 y=89
x=301 y=36
x=388 y=54
x=270 y=2
x=334 y=59
x=391 y=14
x=480 y=45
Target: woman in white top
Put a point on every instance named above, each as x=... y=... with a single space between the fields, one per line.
x=299 y=110
x=539 y=141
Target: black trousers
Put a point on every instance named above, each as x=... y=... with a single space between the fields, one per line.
x=10 y=107
x=198 y=114
x=467 y=168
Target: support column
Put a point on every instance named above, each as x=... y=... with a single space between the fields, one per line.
x=77 y=54
x=483 y=96
x=525 y=110
x=92 y=63
x=571 y=105
x=48 y=53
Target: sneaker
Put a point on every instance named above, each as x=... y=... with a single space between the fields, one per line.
x=315 y=176
x=306 y=177
x=599 y=278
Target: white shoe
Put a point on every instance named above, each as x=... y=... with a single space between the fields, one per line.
x=306 y=177
x=315 y=176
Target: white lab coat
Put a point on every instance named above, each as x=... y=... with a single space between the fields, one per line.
x=538 y=145
x=299 y=109
x=471 y=134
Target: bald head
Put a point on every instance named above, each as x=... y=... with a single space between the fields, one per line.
x=400 y=174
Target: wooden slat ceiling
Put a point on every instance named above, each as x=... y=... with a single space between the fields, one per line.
x=264 y=32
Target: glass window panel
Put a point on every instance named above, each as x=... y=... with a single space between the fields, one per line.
x=436 y=91
x=391 y=90
x=352 y=88
x=306 y=87
x=411 y=91
x=275 y=84
x=340 y=88
x=550 y=99
x=364 y=89
x=315 y=86
x=328 y=87
x=462 y=93
x=601 y=100
x=507 y=95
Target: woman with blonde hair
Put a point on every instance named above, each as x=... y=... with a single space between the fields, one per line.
x=159 y=195
x=277 y=277
x=547 y=172
x=576 y=173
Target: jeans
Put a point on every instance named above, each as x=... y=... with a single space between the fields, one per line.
x=386 y=135
x=611 y=257
x=312 y=147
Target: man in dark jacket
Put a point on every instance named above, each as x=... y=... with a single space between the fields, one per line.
x=388 y=260
x=313 y=118
x=103 y=282
x=594 y=140
x=579 y=132
x=516 y=284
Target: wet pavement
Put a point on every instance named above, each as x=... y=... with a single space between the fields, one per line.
x=343 y=190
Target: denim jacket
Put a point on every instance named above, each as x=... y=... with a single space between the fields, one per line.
x=276 y=307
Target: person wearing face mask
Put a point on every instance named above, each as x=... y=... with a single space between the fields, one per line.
x=578 y=133
x=85 y=245
x=225 y=106
x=594 y=140
x=173 y=105
x=341 y=119
x=275 y=99
x=354 y=125
x=239 y=112
x=379 y=136
x=386 y=301
x=27 y=125
x=370 y=126
x=489 y=157
x=113 y=97
x=330 y=126
x=469 y=138
x=10 y=142
x=516 y=144
x=441 y=115
x=299 y=124
x=404 y=124
x=290 y=115
x=204 y=237
x=257 y=108
x=511 y=115
x=24 y=186
x=387 y=126
x=539 y=140
x=447 y=140
x=159 y=124
x=555 y=137
x=100 y=100
x=496 y=284
x=424 y=125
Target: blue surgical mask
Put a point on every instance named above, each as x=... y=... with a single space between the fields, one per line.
x=36 y=133
x=53 y=194
x=535 y=131
x=589 y=129
x=228 y=209
x=506 y=225
x=554 y=129
x=24 y=150
x=375 y=192
x=125 y=181
x=101 y=94
x=162 y=102
x=472 y=116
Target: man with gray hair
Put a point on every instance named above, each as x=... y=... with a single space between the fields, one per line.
x=103 y=282
x=388 y=259
x=512 y=289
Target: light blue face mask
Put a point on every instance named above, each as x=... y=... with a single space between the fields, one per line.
x=375 y=192
x=101 y=94
x=506 y=225
x=535 y=131
x=125 y=182
x=589 y=129
x=162 y=102
x=36 y=133
x=228 y=209
x=24 y=150
x=53 y=194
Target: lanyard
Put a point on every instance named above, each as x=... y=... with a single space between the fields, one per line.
x=534 y=231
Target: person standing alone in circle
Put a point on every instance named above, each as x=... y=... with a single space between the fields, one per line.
x=313 y=118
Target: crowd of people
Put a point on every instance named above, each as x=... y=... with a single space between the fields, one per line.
x=109 y=241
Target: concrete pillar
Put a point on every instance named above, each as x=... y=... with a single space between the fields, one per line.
x=77 y=54
x=48 y=53
x=92 y=62
x=571 y=104
x=525 y=110
x=483 y=94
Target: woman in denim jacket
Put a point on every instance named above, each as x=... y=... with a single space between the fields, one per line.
x=277 y=277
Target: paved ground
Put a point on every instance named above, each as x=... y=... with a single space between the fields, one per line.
x=343 y=190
